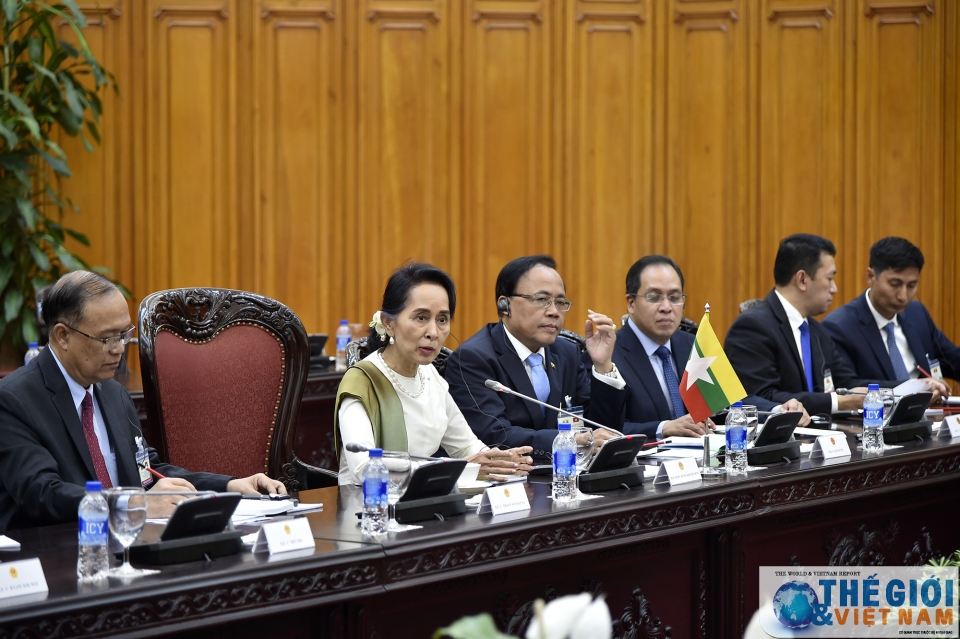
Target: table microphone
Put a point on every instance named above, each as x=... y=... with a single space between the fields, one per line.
x=497 y=386
x=360 y=448
x=845 y=391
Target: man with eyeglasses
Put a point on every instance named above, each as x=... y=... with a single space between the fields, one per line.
x=522 y=351
x=651 y=354
x=65 y=421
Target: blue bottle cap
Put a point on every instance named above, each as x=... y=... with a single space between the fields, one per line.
x=376 y=452
x=94 y=487
x=737 y=405
x=564 y=426
x=344 y=322
x=32 y=345
x=873 y=387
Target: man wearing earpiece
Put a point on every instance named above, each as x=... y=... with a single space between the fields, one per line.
x=776 y=347
x=522 y=352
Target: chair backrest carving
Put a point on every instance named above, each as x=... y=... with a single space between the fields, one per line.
x=223 y=375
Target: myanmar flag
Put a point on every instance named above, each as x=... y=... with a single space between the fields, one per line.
x=709 y=384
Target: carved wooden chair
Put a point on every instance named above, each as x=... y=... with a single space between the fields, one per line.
x=357 y=349
x=575 y=338
x=744 y=305
x=223 y=374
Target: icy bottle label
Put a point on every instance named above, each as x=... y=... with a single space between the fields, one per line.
x=736 y=438
x=564 y=462
x=93 y=531
x=374 y=493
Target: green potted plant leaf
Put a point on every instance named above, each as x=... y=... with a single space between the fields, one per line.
x=41 y=95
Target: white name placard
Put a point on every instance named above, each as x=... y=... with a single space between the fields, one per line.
x=23 y=577
x=507 y=498
x=949 y=427
x=285 y=535
x=678 y=471
x=830 y=447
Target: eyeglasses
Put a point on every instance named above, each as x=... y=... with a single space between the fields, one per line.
x=674 y=298
x=545 y=301
x=109 y=343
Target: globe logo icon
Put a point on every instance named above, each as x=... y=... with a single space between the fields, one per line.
x=794 y=604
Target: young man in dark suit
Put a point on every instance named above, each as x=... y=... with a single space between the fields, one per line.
x=522 y=352
x=776 y=347
x=885 y=333
x=651 y=354
x=65 y=421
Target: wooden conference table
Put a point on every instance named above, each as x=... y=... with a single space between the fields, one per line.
x=674 y=562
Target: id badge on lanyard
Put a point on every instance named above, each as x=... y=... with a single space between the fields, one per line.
x=143 y=463
x=935 y=371
x=827 y=381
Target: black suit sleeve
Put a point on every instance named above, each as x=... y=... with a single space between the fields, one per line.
x=753 y=351
x=945 y=351
x=606 y=403
x=28 y=471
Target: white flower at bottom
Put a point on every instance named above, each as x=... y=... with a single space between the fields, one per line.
x=559 y=617
x=594 y=622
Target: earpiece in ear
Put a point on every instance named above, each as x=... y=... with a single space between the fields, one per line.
x=503 y=306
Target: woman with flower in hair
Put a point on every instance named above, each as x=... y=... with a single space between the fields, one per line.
x=395 y=399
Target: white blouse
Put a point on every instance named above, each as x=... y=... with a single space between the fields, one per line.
x=432 y=420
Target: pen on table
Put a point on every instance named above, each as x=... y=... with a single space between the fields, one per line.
x=649 y=444
x=155 y=473
x=920 y=368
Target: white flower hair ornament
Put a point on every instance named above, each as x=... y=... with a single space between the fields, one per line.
x=377 y=325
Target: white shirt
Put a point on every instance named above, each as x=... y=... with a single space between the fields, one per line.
x=650 y=347
x=78 y=392
x=523 y=353
x=432 y=420
x=901 y=339
x=796 y=319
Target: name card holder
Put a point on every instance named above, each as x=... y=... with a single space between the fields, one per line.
x=949 y=427
x=500 y=500
x=830 y=447
x=24 y=577
x=678 y=471
x=284 y=536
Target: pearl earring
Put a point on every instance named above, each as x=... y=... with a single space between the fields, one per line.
x=391 y=339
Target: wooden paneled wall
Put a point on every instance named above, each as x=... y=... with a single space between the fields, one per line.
x=303 y=149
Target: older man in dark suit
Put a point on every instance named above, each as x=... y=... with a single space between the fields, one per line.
x=651 y=353
x=885 y=333
x=64 y=420
x=522 y=351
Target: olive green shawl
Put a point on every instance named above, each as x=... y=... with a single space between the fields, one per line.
x=365 y=382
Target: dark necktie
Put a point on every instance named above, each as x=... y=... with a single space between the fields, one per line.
x=805 y=352
x=541 y=383
x=86 y=418
x=670 y=379
x=899 y=368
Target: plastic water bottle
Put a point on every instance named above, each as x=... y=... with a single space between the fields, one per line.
x=564 y=465
x=873 y=420
x=93 y=562
x=32 y=351
x=343 y=338
x=736 y=455
x=375 y=478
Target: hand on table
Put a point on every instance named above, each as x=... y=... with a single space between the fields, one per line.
x=515 y=461
x=258 y=484
x=793 y=405
x=686 y=427
x=601 y=435
x=161 y=506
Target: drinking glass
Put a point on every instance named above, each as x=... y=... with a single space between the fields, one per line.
x=752 y=422
x=399 y=471
x=583 y=435
x=889 y=401
x=128 y=514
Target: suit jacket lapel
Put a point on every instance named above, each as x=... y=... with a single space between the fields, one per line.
x=63 y=401
x=787 y=333
x=111 y=408
x=519 y=381
x=872 y=334
x=639 y=362
x=915 y=343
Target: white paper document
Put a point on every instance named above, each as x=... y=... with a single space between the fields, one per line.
x=8 y=544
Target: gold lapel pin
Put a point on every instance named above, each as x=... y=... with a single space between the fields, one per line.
x=553 y=365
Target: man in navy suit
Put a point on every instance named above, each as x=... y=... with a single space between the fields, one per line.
x=885 y=333
x=651 y=353
x=522 y=352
